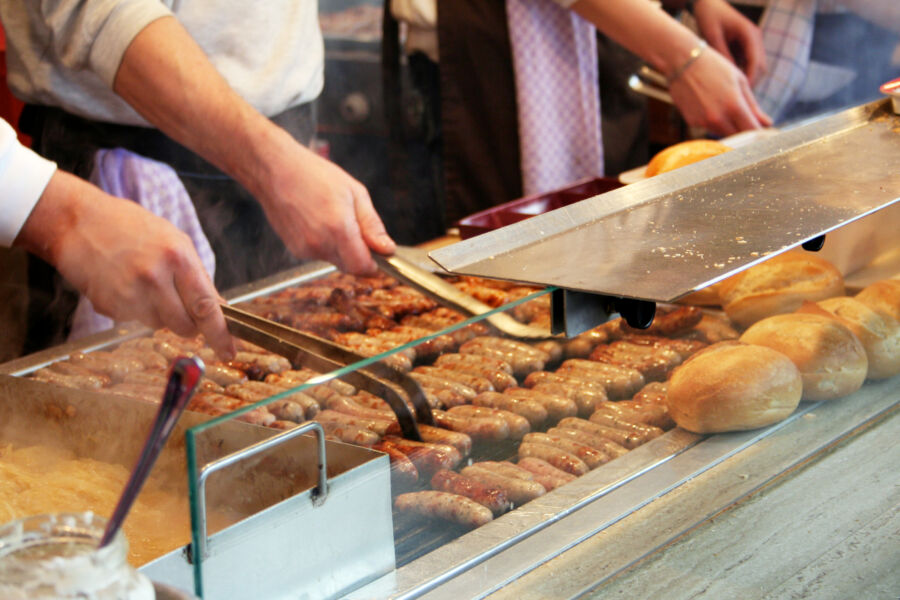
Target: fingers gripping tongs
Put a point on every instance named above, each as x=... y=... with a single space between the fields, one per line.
x=319 y=354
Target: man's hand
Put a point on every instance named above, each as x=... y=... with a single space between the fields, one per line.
x=727 y=30
x=131 y=264
x=319 y=210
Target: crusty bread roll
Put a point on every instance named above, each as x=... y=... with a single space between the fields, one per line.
x=683 y=153
x=708 y=296
x=779 y=285
x=878 y=332
x=883 y=296
x=830 y=358
x=732 y=386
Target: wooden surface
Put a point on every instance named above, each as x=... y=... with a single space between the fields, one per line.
x=826 y=528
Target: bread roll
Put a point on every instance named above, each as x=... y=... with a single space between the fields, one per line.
x=830 y=358
x=878 y=332
x=684 y=153
x=732 y=386
x=778 y=286
x=883 y=296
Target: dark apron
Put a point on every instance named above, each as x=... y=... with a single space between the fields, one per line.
x=462 y=153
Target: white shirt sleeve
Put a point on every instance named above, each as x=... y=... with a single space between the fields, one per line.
x=23 y=177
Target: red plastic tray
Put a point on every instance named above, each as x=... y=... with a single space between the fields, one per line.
x=525 y=208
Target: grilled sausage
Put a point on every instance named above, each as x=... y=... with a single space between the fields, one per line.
x=81 y=382
x=499 y=372
x=554 y=455
x=521 y=357
x=519 y=491
x=479 y=428
x=619 y=381
x=351 y=407
x=611 y=448
x=429 y=458
x=623 y=438
x=606 y=416
x=444 y=505
x=532 y=410
x=459 y=390
x=475 y=382
x=257 y=391
x=653 y=362
x=379 y=426
x=223 y=375
x=439 y=435
x=350 y=434
x=544 y=473
x=505 y=468
x=493 y=498
x=403 y=471
x=106 y=363
x=592 y=457
x=518 y=425
x=557 y=406
x=585 y=399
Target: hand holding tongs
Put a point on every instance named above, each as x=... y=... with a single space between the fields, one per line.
x=651 y=83
x=326 y=357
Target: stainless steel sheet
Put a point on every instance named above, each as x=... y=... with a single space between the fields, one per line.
x=666 y=236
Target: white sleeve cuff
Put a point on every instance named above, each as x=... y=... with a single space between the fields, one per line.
x=23 y=177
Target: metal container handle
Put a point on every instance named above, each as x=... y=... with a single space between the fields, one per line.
x=319 y=493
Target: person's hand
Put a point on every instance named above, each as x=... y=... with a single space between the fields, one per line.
x=736 y=37
x=320 y=211
x=713 y=93
x=131 y=264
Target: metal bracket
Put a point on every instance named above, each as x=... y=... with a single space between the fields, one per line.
x=815 y=244
x=573 y=312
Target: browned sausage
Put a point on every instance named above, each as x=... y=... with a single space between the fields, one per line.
x=223 y=375
x=619 y=381
x=554 y=455
x=557 y=406
x=379 y=426
x=351 y=407
x=505 y=468
x=544 y=473
x=106 y=363
x=518 y=425
x=620 y=437
x=497 y=371
x=585 y=398
x=443 y=505
x=592 y=457
x=493 y=498
x=532 y=410
x=459 y=391
x=403 y=471
x=479 y=428
x=475 y=382
x=519 y=491
x=593 y=440
x=428 y=457
x=350 y=434
x=438 y=435
x=81 y=382
x=522 y=358
x=606 y=416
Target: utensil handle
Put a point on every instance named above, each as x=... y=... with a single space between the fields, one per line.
x=183 y=378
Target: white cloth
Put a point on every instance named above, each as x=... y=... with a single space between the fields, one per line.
x=156 y=187
x=23 y=177
x=557 y=94
x=65 y=53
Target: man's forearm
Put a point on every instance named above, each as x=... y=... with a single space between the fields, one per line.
x=168 y=79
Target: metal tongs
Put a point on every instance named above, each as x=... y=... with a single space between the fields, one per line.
x=446 y=293
x=319 y=354
x=651 y=83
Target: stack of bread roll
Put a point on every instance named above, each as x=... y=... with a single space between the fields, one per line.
x=804 y=341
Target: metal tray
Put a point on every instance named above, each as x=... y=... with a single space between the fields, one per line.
x=662 y=238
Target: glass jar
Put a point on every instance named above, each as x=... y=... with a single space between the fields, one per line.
x=56 y=556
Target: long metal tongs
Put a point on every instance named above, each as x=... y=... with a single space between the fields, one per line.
x=319 y=354
x=651 y=83
x=446 y=293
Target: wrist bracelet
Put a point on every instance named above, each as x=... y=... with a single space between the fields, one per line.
x=693 y=56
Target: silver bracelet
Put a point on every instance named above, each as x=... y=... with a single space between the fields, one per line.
x=696 y=52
